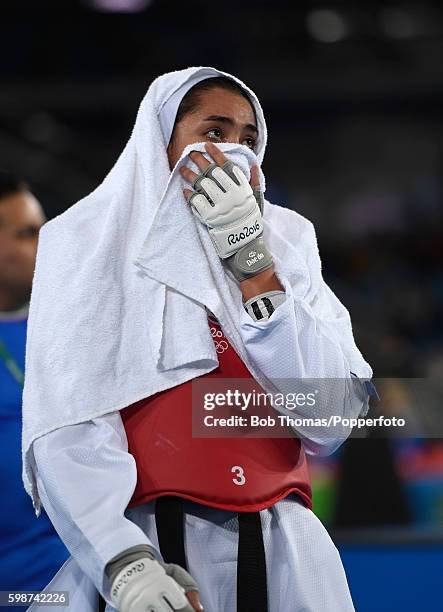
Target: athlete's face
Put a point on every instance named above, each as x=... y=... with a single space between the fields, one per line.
x=220 y=116
x=21 y=218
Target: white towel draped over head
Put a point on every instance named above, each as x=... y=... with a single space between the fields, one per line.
x=123 y=277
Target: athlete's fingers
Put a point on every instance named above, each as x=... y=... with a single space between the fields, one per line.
x=194 y=600
x=199 y=159
x=201 y=162
x=188 y=174
x=187 y=193
x=254 y=181
x=219 y=157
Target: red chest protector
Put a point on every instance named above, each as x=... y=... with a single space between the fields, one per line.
x=237 y=474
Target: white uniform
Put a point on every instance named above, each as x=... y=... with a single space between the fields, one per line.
x=86 y=478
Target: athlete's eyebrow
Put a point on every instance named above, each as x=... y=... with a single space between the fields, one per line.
x=223 y=119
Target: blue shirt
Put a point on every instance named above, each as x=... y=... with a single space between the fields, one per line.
x=30 y=549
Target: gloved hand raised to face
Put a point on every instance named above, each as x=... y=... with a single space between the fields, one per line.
x=147 y=585
x=231 y=209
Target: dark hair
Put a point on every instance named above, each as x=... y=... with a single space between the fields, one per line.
x=10 y=184
x=191 y=98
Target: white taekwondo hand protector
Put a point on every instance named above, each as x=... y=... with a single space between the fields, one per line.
x=146 y=585
x=225 y=202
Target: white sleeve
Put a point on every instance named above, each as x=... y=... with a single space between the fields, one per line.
x=311 y=341
x=85 y=478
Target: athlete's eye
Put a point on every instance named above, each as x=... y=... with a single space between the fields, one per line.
x=249 y=142
x=215 y=133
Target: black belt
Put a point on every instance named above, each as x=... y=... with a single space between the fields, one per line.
x=170 y=529
x=101 y=604
x=252 y=592
x=252 y=589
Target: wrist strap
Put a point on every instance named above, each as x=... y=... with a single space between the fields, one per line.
x=117 y=563
x=263 y=305
x=250 y=260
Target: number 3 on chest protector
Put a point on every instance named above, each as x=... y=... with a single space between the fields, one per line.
x=240 y=478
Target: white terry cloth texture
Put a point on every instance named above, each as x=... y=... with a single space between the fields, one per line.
x=123 y=279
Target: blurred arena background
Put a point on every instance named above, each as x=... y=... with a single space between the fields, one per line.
x=353 y=94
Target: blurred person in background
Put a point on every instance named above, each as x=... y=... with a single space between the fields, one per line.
x=30 y=550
